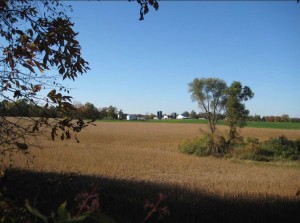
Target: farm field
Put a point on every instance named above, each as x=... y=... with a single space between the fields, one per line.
x=131 y=161
x=250 y=124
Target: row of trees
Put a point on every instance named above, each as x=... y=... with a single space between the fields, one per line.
x=25 y=108
x=282 y=118
x=200 y=115
x=256 y=118
x=89 y=111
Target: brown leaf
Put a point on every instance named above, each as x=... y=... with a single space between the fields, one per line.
x=36 y=88
x=23 y=87
x=28 y=67
x=61 y=70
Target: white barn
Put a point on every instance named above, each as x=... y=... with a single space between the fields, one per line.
x=131 y=117
x=181 y=117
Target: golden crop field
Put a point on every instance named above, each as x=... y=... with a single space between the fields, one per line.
x=148 y=152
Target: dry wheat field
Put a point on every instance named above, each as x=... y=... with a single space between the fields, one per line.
x=148 y=152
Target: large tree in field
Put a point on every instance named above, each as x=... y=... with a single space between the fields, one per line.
x=236 y=112
x=210 y=95
x=38 y=50
x=216 y=100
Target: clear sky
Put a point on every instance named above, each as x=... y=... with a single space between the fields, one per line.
x=145 y=66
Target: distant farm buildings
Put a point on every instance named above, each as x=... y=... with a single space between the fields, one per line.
x=166 y=117
x=171 y=116
x=182 y=117
x=159 y=116
x=131 y=117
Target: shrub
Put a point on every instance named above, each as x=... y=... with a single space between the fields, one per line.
x=205 y=146
x=255 y=157
x=273 y=148
x=252 y=144
x=281 y=147
x=187 y=147
x=264 y=152
x=200 y=146
x=220 y=145
x=11 y=210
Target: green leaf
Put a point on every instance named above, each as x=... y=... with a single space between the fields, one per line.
x=62 y=212
x=102 y=218
x=75 y=220
x=99 y=218
x=36 y=212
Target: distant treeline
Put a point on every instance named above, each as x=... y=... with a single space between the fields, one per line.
x=26 y=108
x=256 y=118
x=282 y=118
x=88 y=110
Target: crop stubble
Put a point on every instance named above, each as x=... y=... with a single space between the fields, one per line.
x=149 y=152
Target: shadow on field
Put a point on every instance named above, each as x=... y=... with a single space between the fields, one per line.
x=123 y=200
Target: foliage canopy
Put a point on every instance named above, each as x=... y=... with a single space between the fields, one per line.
x=37 y=37
x=216 y=99
x=236 y=112
x=210 y=95
x=39 y=50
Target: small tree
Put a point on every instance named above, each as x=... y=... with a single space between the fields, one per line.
x=236 y=112
x=90 y=111
x=193 y=114
x=186 y=114
x=285 y=118
x=149 y=116
x=210 y=95
x=121 y=114
x=112 y=112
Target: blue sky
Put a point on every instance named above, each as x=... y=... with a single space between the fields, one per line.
x=145 y=66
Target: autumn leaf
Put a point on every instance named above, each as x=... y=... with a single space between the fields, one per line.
x=23 y=87
x=28 y=67
x=17 y=94
x=36 y=88
x=32 y=46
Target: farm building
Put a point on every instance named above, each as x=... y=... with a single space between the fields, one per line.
x=173 y=115
x=181 y=117
x=131 y=117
